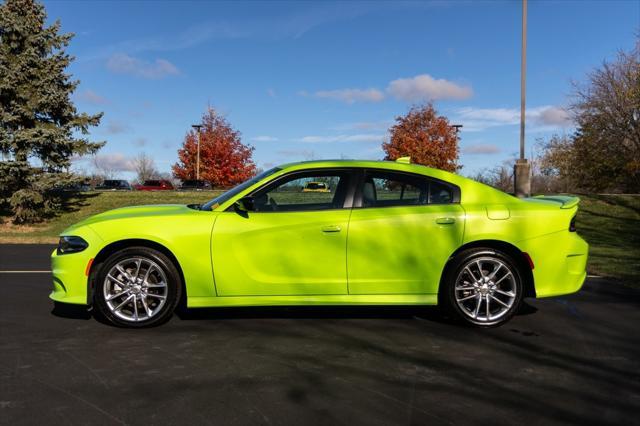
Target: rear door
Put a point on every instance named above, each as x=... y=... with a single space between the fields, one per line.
x=401 y=233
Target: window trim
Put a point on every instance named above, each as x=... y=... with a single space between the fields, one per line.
x=455 y=190
x=350 y=173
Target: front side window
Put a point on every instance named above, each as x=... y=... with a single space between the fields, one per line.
x=304 y=192
x=386 y=189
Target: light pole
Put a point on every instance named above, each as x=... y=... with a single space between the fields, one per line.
x=197 y=127
x=522 y=168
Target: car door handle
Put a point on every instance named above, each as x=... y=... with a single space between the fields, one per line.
x=445 y=221
x=331 y=228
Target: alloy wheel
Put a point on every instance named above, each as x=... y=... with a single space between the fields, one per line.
x=135 y=289
x=485 y=289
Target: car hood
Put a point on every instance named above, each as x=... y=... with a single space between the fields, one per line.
x=157 y=210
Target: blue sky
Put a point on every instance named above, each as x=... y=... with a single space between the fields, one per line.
x=304 y=80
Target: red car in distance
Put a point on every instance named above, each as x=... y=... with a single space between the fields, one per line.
x=154 y=185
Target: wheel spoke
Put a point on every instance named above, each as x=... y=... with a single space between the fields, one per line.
x=506 y=293
x=124 y=272
x=146 y=275
x=135 y=307
x=488 y=308
x=500 y=302
x=157 y=285
x=146 y=306
x=471 y=273
x=117 y=308
x=120 y=283
x=158 y=296
x=495 y=271
x=115 y=296
x=475 y=313
x=138 y=265
x=480 y=269
x=503 y=277
x=467 y=298
x=461 y=288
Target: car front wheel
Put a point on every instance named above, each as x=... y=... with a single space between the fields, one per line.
x=483 y=287
x=137 y=287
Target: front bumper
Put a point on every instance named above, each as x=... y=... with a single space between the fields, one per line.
x=70 y=280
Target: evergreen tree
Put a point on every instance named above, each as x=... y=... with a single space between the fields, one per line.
x=40 y=128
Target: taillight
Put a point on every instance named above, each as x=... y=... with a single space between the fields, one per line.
x=572 y=225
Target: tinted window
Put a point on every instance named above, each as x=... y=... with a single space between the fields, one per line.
x=384 y=189
x=237 y=189
x=304 y=191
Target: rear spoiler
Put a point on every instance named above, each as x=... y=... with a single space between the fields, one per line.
x=566 y=201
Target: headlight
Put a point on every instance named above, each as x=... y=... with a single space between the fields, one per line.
x=68 y=245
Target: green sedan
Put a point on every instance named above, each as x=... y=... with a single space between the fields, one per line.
x=386 y=233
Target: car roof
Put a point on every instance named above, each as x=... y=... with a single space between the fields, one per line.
x=372 y=164
x=472 y=191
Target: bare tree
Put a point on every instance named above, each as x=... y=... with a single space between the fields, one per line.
x=145 y=168
x=606 y=147
x=104 y=168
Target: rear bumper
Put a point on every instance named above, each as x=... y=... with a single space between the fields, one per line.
x=560 y=261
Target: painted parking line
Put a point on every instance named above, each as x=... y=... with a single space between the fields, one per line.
x=25 y=272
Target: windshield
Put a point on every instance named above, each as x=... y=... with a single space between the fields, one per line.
x=237 y=189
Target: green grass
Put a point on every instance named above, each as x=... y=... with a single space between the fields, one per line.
x=611 y=225
x=89 y=203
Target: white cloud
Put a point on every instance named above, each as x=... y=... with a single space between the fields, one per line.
x=482 y=149
x=554 y=116
x=140 y=142
x=116 y=127
x=305 y=154
x=419 y=88
x=264 y=138
x=351 y=96
x=424 y=87
x=124 y=64
x=116 y=162
x=91 y=97
x=343 y=138
x=476 y=119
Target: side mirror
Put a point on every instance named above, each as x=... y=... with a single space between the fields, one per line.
x=244 y=205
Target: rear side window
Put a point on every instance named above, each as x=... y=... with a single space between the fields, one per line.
x=386 y=189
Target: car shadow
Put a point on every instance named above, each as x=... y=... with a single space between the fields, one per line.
x=66 y=310
x=425 y=313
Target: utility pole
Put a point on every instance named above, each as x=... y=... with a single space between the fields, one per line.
x=197 y=127
x=522 y=168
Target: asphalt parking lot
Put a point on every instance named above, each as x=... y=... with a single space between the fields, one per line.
x=573 y=359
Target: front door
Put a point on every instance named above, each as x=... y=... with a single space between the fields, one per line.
x=402 y=234
x=293 y=242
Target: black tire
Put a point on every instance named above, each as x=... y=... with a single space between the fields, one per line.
x=456 y=271
x=172 y=292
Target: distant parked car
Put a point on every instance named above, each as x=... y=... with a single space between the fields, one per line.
x=316 y=187
x=82 y=186
x=114 y=185
x=155 y=185
x=195 y=185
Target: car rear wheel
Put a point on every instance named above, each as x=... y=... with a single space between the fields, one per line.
x=483 y=287
x=137 y=287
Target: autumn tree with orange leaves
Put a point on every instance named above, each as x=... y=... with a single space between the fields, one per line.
x=224 y=160
x=426 y=137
